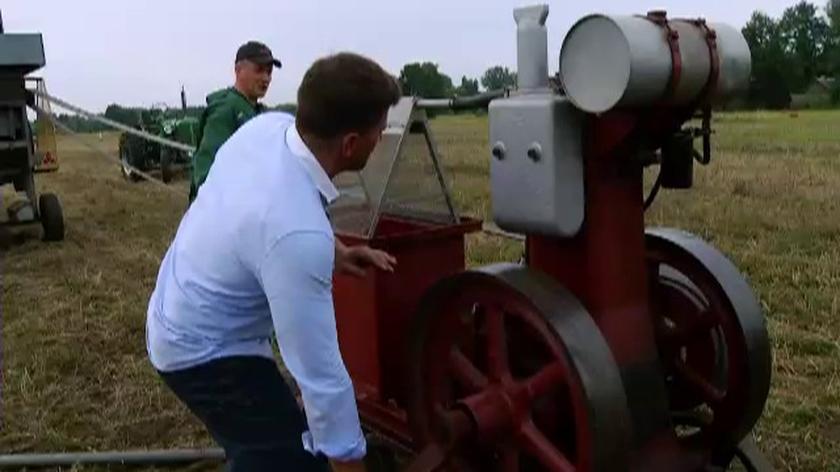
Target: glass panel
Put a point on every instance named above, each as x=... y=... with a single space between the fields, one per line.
x=400 y=180
x=414 y=189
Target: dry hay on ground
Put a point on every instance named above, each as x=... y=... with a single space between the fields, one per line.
x=75 y=372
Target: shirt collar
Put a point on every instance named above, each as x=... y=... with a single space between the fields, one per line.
x=312 y=166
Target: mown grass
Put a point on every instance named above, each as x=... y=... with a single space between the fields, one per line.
x=75 y=373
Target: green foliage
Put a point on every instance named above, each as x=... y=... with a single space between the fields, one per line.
x=468 y=87
x=789 y=54
x=764 y=38
x=832 y=11
x=290 y=108
x=497 y=78
x=126 y=116
x=81 y=124
x=805 y=38
x=424 y=80
x=793 y=53
x=769 y=89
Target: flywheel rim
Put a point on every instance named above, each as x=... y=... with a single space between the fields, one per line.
x=685 y=261
x=578 y=355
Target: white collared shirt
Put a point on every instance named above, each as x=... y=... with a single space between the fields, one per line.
x=253 y=255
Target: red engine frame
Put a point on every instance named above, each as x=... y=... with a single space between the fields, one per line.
x=603 y=265
x=374 y=313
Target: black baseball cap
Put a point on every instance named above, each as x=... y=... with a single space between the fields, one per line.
x=258 y=53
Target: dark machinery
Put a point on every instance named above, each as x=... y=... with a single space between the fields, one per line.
x=21 y=54
x=142 y=154
x=614 y=346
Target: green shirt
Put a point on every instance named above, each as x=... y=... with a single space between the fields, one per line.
x=226 y=111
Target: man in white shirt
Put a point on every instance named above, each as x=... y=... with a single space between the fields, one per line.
x=255 y=254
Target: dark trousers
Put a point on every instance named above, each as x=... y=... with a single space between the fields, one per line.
x=250 y=411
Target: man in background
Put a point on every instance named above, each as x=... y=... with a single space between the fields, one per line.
x=230 y=108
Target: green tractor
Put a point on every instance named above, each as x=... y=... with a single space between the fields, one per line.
x=145 y=155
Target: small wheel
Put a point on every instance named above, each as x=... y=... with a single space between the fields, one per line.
x=166 y=170
x=522 y=357
x=52 y=217
x=127 y=166
x=712 y=337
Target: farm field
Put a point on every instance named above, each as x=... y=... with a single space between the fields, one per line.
x=75 y=372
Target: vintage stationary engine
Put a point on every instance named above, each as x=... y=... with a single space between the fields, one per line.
x=614 y=346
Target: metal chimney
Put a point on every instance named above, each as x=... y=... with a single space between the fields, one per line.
x=531 y=47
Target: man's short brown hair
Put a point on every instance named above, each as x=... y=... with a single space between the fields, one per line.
x=342 y=93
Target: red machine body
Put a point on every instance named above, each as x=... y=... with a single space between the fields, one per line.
x=613 y=347
x=605 y=267
x=374 y=314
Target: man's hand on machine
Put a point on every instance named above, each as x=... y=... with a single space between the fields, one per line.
x=355 y=260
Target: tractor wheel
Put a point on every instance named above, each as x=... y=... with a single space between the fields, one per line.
x=511 y=373
x=52 y=217
x=166 y=170
x=127 y=166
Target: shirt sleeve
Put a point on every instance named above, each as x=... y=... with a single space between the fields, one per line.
x=219 y=125
x=297 y=277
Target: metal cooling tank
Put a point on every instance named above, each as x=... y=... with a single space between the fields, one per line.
x=626 y=61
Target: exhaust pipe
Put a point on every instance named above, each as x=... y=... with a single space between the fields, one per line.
x=531 y=47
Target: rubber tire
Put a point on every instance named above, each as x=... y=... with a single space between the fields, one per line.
x=125 y=157
x=166 y=170
x=52 y=217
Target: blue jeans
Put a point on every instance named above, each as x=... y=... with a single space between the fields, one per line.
x=249 y=410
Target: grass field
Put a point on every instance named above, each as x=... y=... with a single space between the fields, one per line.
x=75 y=373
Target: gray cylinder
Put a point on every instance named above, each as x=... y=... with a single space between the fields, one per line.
x=531 y=47
x=625 y=61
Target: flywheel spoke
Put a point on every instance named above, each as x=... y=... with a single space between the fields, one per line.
x=486 y=376
x=430 y=458
x=705 y=389
x=497 y=350
x=697 y=328
x=539 y=446
x=508 y=459
x=547 y=380
x=465 y=372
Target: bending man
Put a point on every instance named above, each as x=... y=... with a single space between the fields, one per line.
x=255 y=253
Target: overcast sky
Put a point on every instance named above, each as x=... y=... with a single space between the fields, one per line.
x=140 y=52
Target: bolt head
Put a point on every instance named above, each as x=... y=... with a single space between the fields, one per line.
x=535 y=152
x=498 y=150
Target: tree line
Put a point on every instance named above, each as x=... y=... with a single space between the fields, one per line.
x=794 y=54
x=420 y=79
x=797 y=54
x=425 y=80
